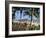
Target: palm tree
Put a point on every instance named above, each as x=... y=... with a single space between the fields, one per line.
x=36 y=12
x=20 y=13
x=37 y=15
x=31 y=12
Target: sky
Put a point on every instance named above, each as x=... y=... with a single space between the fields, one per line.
x=17 y=16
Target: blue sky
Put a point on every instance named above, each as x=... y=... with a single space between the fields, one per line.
x=17 y=16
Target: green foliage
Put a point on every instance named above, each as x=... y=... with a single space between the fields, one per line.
x=37 y=27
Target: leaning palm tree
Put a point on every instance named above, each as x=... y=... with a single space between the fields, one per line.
x=31 y=12
x=36 y=14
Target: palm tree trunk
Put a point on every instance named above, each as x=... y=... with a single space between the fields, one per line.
x=31 y=19
x=20 y=14
x=32 y=16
